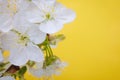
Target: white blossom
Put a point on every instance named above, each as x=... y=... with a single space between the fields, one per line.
x=23 y=46
x=53 y=69
x=50 y=18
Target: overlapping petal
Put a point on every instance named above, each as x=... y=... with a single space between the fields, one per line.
x=34 y=15
x=51 y=26
x=36 y=35
x=18 y=56
x=34 y=53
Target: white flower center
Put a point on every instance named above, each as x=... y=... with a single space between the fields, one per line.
x=23 y=39
x=48 y=16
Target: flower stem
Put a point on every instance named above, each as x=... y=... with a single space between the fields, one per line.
x=48 y=46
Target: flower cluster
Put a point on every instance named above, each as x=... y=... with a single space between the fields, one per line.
x=27 y=30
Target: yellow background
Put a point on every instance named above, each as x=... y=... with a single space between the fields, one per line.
x=92 y=47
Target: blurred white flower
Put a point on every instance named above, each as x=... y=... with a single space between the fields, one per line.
x=23 y=46
x=7 y=78
x=53 y=69
x=11 y=13
x=50 y=18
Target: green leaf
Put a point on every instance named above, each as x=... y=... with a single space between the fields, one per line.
x=3 y=64
x=22 y=71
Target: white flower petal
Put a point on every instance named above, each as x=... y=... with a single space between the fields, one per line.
x=36 y=35
x=18 y=56
x=23 y=4
x=34 y=53
x=50 y=26
x=5 y=22
x=44 y=2
x=62 y=65
x=8 y=40
x=49 y=72
x=1 y=56
x=66 y=16
x=34 y=15
x=36 y=72
x=7 y=78
x=63 y=14
x=20 y=22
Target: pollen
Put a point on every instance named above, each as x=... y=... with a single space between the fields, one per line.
x=48 y=16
